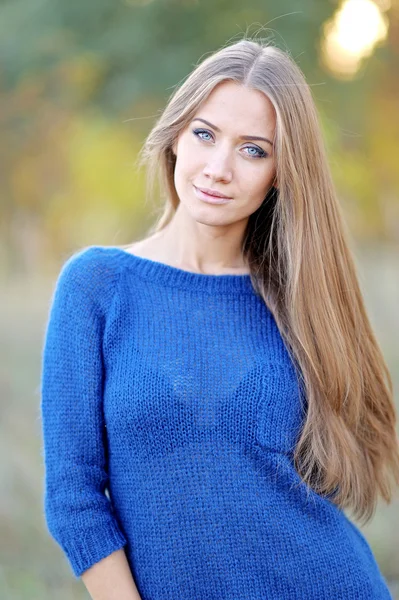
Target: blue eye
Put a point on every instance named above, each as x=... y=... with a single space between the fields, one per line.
x=197 y=132
x=260 y=153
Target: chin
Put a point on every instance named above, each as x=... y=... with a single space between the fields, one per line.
x=207 y=216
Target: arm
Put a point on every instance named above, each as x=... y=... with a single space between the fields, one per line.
x=111 y=579
x=79 y=515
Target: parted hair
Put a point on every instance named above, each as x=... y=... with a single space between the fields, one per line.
x=296 y=245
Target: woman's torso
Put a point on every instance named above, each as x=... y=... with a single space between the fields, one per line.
x=203 y=408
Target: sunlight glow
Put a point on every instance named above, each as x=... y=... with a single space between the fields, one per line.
x=352 y=34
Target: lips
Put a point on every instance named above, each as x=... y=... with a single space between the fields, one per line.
x=209 y=199
x=213 y=193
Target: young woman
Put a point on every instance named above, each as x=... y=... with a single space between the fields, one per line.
x=213 y=396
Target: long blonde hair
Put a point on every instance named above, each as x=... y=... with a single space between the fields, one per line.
x=297 y=250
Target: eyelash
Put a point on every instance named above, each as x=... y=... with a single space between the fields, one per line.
x=262 y=154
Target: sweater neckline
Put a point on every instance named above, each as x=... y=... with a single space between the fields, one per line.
x=168 y=275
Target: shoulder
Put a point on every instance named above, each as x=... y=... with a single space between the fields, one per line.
x=92 y=272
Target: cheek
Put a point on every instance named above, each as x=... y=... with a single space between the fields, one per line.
x=257 y=183
x=188 y=162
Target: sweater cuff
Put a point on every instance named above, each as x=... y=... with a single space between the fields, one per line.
x=92 y=545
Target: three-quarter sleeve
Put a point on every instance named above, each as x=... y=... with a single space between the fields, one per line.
x=77 y=511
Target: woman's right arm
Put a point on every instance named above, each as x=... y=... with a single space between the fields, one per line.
x=79 y=515
x=111 y=579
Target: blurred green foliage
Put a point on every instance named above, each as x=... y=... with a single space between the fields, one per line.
x=82 y=83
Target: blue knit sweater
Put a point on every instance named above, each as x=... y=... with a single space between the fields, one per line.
x=170 y=411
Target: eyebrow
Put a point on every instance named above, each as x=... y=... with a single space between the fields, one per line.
x=242 y=137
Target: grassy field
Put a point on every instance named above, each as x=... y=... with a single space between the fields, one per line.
x=31 y=564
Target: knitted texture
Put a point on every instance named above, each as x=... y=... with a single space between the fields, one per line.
x=170 y=411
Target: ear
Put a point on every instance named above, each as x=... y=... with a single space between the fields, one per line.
x=174 y=148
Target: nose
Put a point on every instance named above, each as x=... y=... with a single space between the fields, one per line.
x=218 y=166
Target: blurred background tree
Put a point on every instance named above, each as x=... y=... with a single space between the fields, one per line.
x=81 y=84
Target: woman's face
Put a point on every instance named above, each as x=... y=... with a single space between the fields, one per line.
x=219 y=154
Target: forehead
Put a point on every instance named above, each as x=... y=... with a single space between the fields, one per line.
x=238 y=108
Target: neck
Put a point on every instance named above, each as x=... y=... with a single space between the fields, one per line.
x=195 y=246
